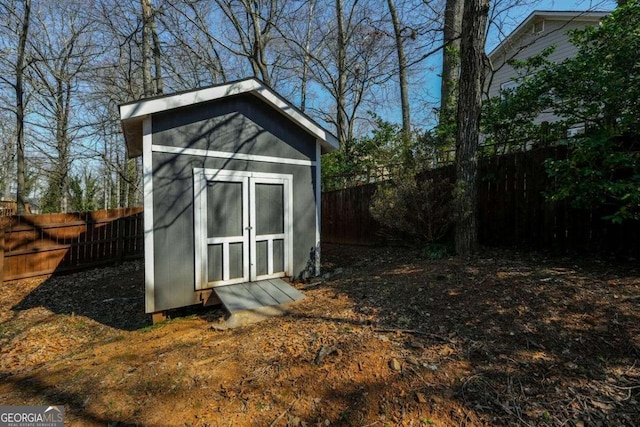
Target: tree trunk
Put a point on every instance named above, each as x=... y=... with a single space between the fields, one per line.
x=19 y=90
x=157 y=53
x=468 y=132
x=306 y=59
x=341 y=118
x=147 y=84
x=61 y=178
x=258 y=56
x=402 y=71
x=450 y=70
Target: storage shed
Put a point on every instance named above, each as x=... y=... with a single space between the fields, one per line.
x=231 y=189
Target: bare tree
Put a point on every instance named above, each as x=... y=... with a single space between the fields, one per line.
x=350 y=57
x=306 y=55
x=193 y=56
x=117 y=78
x=7 y=155
x=344 y=134
x=152 y=86
x=20 y=66
x=402 y=68
x=253 y=22
x=472 y=63
x=60 y=55
x=15 y=27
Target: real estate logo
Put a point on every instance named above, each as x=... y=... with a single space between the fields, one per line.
x=32 y=416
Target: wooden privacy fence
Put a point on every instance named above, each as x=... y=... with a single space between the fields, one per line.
x=9 y=208
x=346 y=218
x=39 y=245
x=512 y=210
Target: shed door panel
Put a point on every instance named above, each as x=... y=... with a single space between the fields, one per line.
x=224 y=210
x=269 y=220
x=269 y=209
x=243 y=226
x=224 y=220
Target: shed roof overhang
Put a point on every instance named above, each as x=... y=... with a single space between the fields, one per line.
x=133 y=114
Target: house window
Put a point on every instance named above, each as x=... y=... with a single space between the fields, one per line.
x=538 y=27
x=575 y=131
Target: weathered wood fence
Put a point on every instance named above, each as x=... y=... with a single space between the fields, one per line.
x=9 y=208
x=346 y=218
x=512 y=210
x=39 y=245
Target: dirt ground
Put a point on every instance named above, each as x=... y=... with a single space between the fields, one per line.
x=389 y=338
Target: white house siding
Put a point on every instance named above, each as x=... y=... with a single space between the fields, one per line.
x=526 y=44
x=529 y=44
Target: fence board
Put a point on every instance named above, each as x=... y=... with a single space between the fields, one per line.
x=512 y=210
x=36 y=245
x=346 y=218
x=1 y=252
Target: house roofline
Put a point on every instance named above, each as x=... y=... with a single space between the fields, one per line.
x=132 y=113
x=568 y=15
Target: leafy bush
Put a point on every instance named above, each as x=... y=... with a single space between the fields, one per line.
x=363 y=160
x=598 y=89
x=376 y=157
x=436 y=251
x=601 y=172
x=413 y=206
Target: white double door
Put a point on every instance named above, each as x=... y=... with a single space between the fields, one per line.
x=243 y=223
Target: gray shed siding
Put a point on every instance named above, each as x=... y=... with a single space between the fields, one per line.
x=247 y=127
x=238 y=124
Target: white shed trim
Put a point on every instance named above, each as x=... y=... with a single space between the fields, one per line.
x=228 y=155
x=318 y=195
x=147 y=173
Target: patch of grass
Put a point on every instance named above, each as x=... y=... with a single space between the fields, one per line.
x=436 y=251
x=154 y=326
x=166 y=322
x=81 y=324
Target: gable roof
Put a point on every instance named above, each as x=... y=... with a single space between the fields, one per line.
x=565 y=15
x=132 y=114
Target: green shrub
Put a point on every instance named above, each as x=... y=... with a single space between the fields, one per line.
x=413 y=206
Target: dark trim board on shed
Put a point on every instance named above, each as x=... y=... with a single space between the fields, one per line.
x=255 y=295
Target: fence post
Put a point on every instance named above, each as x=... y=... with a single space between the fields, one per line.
x=1 y=252
x=120 y=239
